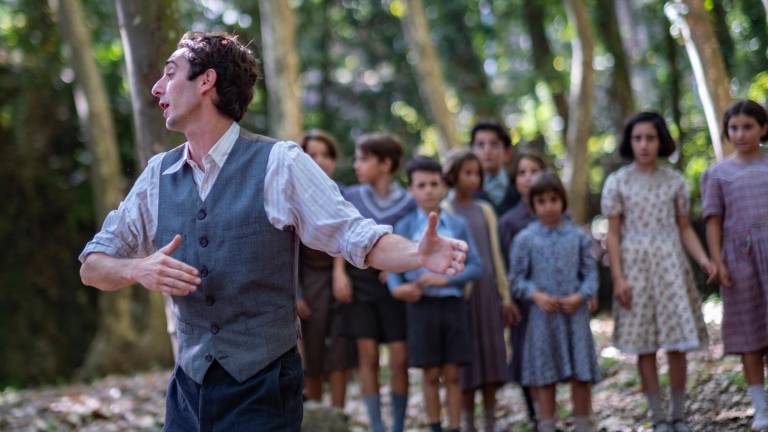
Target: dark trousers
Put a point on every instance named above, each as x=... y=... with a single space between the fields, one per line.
x=271 y=400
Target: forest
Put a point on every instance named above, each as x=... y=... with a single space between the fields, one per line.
x=78 y=122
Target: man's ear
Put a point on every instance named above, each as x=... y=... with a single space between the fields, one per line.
x=208 y=80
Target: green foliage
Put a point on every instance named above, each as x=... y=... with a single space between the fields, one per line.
x=46 y=316
x=738 y=380
x=758 y=91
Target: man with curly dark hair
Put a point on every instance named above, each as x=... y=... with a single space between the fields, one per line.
x=215 y=223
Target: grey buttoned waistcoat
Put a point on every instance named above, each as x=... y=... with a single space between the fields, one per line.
x=242 y=314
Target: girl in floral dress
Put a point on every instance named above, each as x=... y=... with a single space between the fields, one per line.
x=656 y=305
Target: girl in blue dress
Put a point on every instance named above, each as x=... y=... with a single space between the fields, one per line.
x=552 y=266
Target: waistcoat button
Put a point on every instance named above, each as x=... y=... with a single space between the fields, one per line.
x=215 y=328
x=201 y=214
x=204 y=271
x=209 y=300
x=203 y=241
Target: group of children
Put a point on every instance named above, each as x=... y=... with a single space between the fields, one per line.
x=530 y=268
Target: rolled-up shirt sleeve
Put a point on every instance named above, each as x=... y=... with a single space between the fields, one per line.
x=395 y=279
x=298 y=193
x=129 y=230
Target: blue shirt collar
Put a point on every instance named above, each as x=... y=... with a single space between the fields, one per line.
x=496 y=186
x=422 y=217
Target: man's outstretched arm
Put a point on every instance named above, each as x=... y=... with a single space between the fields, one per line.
x=437 y=254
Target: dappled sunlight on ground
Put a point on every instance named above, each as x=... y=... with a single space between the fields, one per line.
x=717 y=397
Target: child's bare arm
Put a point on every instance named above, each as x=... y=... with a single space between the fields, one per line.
x=430 y=279
x=715 y=242
x=342 y=286
x=613 y=242
x=693 y=246
x=407 y=292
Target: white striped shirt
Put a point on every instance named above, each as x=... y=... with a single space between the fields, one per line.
x=296 y=193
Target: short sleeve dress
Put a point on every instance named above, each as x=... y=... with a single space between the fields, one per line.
x=558 y=261
x=666 y=309
x=738 y=192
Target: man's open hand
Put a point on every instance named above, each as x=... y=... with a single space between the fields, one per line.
x=160 y=272
x=439 y=254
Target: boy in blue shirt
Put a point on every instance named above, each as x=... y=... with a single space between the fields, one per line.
x=437 y=333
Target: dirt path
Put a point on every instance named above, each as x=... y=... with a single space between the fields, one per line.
x=717 y=397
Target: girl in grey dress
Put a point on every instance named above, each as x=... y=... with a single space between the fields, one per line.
x=510 y=224
x=490 y=305
x=553 y=267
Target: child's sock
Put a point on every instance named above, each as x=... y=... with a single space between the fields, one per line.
x=546 y=425
x=757 y=394
x=654 y=404
x=435 y=427
x=582 y=424
x=490 y=421
x=399 y=405
x=677 y=404
x=529 y=403
x=373 y=406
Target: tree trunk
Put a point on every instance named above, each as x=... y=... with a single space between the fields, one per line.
x=431 y=83
x=92 y=109
x=636 y=37
x=691 y=22
x=281 y=68
x=718 y=15
x=765 y=5
x=675 y=93
x=533 y=12
x=621 y=86
x=576 y=170
x=115 y=347
x=149 y=30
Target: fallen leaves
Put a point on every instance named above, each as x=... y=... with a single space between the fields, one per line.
x=717 y=398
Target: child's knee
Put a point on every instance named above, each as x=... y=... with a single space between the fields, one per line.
x=451 y=376
x=432 y=377
x=368 y=359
